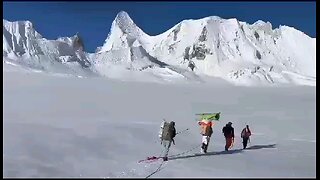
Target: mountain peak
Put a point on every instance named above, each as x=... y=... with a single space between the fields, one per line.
x=26 y=23
x=123 y=18
x=126 y=24
x=122 y=14
x=123 y=30
x=78 y=42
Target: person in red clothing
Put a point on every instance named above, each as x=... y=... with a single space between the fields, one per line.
x=228 y=132
x=245 y=135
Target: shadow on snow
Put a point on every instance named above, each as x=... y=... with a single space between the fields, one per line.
x=234 y=151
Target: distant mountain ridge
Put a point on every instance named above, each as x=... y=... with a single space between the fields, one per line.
x=241 y=53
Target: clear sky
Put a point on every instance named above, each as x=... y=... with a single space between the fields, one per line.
x=93 y=19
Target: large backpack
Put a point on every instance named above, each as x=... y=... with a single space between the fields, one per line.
x=167 y=132
x=206 y=129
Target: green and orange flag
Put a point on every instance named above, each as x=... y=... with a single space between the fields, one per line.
x=209 y=116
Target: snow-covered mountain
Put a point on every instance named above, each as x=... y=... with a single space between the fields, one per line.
x=226 y=48
x=23 y=45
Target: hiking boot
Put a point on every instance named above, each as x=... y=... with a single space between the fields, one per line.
x=165 y=158
x=205 y=148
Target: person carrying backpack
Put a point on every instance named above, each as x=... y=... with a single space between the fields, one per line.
x=167 y=133
x=206 y=132
x=245 y=135
x=206 y=123
x=228 y=132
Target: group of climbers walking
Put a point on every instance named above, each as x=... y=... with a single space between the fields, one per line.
x=168 y=132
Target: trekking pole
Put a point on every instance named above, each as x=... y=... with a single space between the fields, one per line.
x=182 y=131
x=177 y=134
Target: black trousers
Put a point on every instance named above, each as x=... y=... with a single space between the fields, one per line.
x=245 y=142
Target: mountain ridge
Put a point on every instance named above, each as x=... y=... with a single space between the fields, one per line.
x=241 y=53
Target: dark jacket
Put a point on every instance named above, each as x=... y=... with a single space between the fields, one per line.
x=228 y=131
x=245 y=133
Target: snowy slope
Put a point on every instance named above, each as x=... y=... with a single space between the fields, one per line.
x=240 y=53
x=226 y=48
x=62 y=127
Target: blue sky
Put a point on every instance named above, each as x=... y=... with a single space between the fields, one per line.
x=93 y=19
